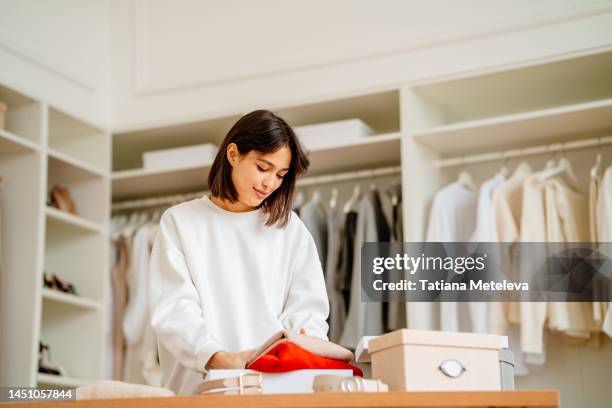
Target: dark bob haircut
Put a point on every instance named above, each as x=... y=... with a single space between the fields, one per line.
x=264 y=132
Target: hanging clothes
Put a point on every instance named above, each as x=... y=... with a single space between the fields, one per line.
x=344 y=272
x=365 y=318
x=507 y=203
x=149 y=358
x=395 y=312
x=604 y=232
x=120 y=297
x=452 y=219
x=485 y=231
x=532 y=229
x=1 y=268
x=567 y=221
x=599 y=308
x=314 y=218
x=135 y=318
x=337 y=307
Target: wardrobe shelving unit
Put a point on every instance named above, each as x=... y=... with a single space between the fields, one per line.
x=40 y=147
x=545 y=103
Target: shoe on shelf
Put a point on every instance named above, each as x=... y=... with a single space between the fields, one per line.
x=49 y=281
x=62 y=199
x=64 y=286
x=46 y=365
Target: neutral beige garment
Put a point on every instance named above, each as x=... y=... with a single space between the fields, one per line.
x=532 y=229
x=119 y=279
x=604 y=231
x=599 y=308
x=507 y=202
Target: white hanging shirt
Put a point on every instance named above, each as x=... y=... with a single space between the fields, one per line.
x=452 y=219
x=223 y=280
x=486 y=231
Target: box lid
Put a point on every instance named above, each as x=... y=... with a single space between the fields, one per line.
x=362 y=354
x=434 y=338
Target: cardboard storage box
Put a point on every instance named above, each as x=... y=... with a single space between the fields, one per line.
x=422 y=360
x=328 y=134
x=196 y=155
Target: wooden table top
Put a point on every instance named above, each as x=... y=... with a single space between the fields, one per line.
x=473 y=399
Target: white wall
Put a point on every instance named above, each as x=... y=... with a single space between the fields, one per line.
x=191 y=59
x=58 y=51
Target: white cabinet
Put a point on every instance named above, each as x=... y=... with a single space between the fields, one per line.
x=41 y=147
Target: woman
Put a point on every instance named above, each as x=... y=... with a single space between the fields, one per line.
x=231 y=269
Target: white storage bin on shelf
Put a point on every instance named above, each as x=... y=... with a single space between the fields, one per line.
x=332 y=133
x=196 y=155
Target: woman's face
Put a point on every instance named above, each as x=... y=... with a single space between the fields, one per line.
x=256 y=175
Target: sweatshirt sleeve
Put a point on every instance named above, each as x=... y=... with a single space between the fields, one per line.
x=177 y=317
x=306 y=305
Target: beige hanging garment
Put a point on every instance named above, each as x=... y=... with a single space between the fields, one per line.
x=533 y=229
x=567 y=221
x=604 y=231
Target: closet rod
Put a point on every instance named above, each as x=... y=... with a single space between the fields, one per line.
x=306 y=181
x=528 y=151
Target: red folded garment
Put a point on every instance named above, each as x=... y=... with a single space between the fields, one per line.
x=287 y=356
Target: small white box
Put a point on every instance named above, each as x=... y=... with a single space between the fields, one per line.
x=196 y=155
x=423 y=360
x=328 y=134
x=292 y=382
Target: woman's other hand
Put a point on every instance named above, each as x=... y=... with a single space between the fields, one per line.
x=228 y=360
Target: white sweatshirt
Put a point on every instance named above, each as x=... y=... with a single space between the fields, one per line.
x=223 y=280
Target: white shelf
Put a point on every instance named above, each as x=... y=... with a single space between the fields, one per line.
x=380 y=110
x=59 y=380
x=371 y=151
x=511 y=131
x=65 y=298
x=11 y=143
x=73 y=221
x=368 y=152
x=75 y=168
x=76 y=138
x=507 y=92
x=145 y=182
x=75 y=155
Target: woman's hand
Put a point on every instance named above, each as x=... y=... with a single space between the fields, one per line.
x=226 y=359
